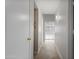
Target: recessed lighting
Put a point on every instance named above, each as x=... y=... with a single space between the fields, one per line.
x=58 y=17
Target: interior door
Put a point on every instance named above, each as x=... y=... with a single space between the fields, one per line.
x=18 y=16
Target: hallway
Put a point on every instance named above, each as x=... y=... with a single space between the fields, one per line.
x=48 y=51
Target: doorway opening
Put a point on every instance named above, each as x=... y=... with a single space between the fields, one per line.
x=49 y=27
x=44 y=35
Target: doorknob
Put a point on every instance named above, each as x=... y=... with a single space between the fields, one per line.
x=28 y=38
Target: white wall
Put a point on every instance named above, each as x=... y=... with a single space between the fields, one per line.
x=40 y=30
x=61 y=29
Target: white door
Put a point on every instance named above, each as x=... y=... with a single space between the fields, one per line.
x=18 y=29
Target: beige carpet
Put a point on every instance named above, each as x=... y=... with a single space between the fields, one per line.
x=47 y=51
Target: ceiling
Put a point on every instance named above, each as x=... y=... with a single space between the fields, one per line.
x=48 y=6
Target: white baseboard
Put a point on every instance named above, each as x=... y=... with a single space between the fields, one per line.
x=58 y=52
x=40 y=49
